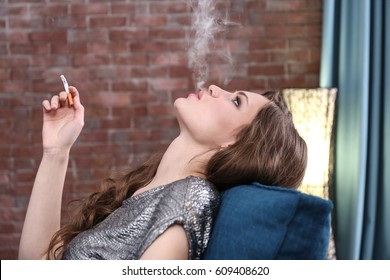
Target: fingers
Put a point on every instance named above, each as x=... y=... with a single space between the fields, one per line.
x=79 y=108
x=61 y=100
x=76 y=97
x=56 y=102
x=46 y=105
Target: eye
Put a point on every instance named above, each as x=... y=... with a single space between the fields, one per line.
x=237 y=101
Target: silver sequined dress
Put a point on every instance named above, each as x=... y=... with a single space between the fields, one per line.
x=129 y=230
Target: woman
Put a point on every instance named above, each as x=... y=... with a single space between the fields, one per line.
x=165 y=208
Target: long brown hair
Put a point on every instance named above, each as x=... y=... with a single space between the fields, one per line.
x=269 y=151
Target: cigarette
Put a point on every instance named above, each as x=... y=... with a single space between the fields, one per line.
x=70 y=98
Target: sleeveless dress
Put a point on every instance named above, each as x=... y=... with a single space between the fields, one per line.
x=128 y=231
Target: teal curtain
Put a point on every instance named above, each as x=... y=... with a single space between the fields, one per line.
x=356 y=60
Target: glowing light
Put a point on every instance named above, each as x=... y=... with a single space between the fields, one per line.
x=313 y=115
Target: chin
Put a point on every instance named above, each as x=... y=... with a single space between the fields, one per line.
x=177 y=102
x=180 y=103
x=178 y=106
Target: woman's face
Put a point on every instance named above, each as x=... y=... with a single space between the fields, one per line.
x=214 y=117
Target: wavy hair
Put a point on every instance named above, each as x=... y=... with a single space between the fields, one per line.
x=269 y=150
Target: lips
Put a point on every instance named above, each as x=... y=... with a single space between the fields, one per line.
x=198 y=95
x=201 y=93
x=194 y=95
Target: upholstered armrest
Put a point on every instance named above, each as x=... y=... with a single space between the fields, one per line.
x=262 y=222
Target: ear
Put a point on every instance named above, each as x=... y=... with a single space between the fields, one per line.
x=226 y=145
x=232 y=138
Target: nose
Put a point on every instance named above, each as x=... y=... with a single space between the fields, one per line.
x=215 y=91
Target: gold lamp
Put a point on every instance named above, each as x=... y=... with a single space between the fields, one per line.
x=313 y=113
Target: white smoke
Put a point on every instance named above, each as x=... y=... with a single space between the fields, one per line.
x=207 y=28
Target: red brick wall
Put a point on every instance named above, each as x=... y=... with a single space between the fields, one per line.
x=129 y=61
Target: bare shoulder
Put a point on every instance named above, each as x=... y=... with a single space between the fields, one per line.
x=170 y=245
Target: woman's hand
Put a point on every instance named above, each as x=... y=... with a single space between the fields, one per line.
x=62 y=124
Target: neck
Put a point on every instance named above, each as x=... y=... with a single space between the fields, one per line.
x=182 y=159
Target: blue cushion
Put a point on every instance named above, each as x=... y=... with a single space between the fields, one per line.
x=261 y=222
